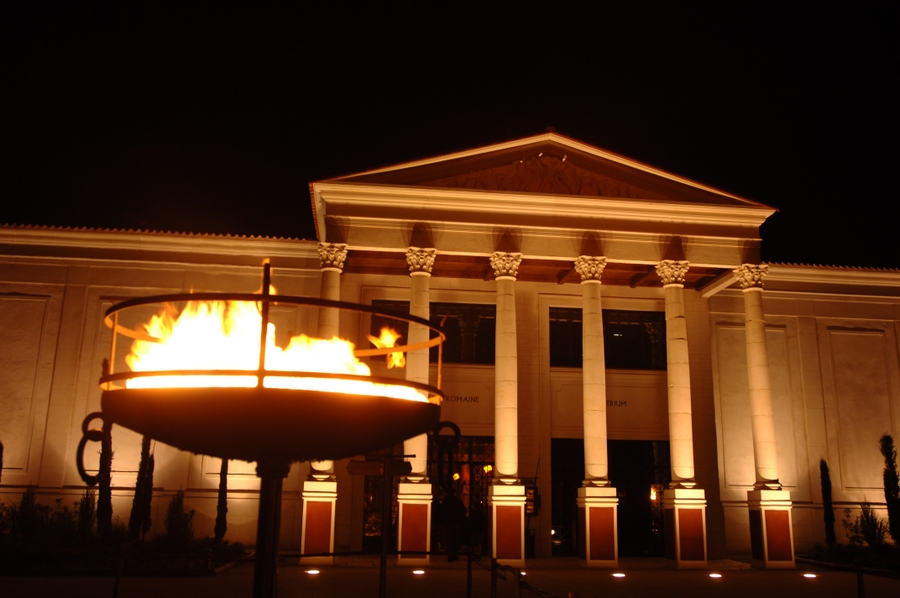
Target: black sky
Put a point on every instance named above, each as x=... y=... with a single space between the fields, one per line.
x=215 y=118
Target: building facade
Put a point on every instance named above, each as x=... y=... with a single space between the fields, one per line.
x=626 y=376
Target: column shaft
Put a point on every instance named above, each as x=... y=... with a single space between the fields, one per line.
x=417 y=364
x=329 y=318
x=681 y=436
x=596 y=465
x=762 y=416
x=506 y=415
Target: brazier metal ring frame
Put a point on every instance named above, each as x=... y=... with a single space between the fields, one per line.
x=265 y=300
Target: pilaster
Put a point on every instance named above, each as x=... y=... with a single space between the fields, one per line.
x=320 y=489
x=771 y=525
x=684 y=505
x=415 y=493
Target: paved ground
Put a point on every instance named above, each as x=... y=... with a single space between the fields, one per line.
x=557 y=577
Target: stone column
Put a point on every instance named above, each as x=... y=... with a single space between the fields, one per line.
x=684 y=505
x=320 y=489
x=507 y=495
x=597 y=501
x=415 y=493
x=771 y=529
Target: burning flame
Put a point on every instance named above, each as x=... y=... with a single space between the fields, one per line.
x=387 y=340
x=224 y=335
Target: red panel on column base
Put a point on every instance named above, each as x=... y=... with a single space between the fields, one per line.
x=509 y=532
x=318 y=527
x=415 y=523
x=778 y=536
x=690 y=524
x=603 y=534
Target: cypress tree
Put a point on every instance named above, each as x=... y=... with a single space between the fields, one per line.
x=830 y=538
x=104 y=490
x=148 y=488
x=143 y=493
x=222 y=504
x=891 y=486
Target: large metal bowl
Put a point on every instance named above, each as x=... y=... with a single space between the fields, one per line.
x=268 y=424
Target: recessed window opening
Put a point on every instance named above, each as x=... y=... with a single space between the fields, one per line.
x=632 y=340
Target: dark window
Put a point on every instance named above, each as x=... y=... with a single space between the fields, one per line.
x=469 y=329
x=632 y=340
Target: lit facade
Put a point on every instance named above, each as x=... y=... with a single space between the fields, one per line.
x=751 y=373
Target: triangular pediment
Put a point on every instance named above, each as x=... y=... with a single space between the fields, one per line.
x=548 y=164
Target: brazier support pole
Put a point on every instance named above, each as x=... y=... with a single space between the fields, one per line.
x=265 y=575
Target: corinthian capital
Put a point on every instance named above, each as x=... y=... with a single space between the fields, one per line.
x=332 y=255
x=420 y=260
x=672 y=271
x=751 y=276
x=505 y=264
x=589 y=267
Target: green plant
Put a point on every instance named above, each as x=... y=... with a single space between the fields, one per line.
x=830 y=538
x=866 y=528
x=179 y=524
x=87 y=513
x=891 y=486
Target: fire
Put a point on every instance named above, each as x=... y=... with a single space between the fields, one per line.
x=224 y=335
x=387 y=340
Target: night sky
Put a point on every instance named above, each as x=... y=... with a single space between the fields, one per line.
x=215 y=118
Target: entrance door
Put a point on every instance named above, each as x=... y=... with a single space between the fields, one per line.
x=567 y=473
x=639 y=470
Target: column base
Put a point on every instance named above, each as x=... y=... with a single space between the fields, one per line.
x=771 y=529
x=317 y=531
x=684 y=510
x=507 y=502
x=598 y=537
x=414 y=522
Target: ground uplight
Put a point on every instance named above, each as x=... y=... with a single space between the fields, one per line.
x=418 y=571
x=312 y=571
x=810 y=575
x=618 y=575
x=715 y=575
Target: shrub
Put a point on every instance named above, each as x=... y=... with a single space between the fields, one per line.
x=179 y=524
x=866 y=528
x=87 y=513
